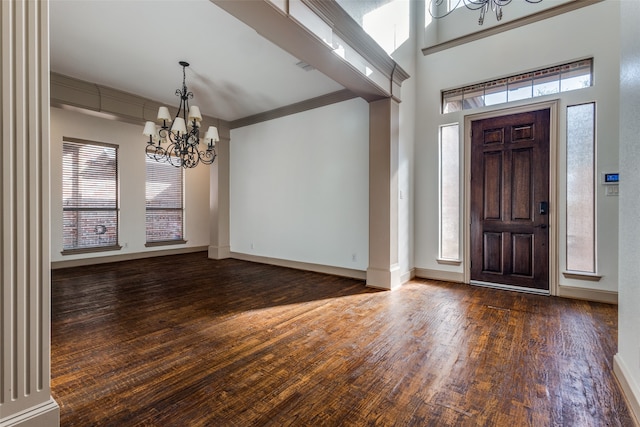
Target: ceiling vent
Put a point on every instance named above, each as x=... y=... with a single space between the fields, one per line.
x=305 y=66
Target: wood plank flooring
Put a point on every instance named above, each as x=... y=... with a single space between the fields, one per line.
x=187 y=341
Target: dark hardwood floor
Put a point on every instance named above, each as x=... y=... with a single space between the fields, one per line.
x=187 y=341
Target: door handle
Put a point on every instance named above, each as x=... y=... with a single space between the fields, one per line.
x=543 y=208
x=542 y=226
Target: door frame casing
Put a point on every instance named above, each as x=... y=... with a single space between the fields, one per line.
x=553 y=107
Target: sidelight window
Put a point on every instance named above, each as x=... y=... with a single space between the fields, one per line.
x=449 y=192
x=90 y=196
x=581 y=252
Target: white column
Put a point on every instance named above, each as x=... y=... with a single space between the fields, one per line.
x=219 y=246
x=384 y=269
x=626 y=363
x=25 y=397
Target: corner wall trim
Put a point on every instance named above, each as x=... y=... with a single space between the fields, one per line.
x=318 y=268
x=629 y=388
x=124 y=257
x=447 y=276
x=597 y=295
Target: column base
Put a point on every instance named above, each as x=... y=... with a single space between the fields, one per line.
x=44 y=415
x=388 y=279
x=219 y=252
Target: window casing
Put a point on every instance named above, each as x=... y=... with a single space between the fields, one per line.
x=164 y=203
x=89 y=196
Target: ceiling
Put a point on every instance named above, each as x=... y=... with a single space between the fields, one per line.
x=135 y=46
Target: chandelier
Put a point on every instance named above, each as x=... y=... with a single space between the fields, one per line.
x=180 y=145
x=482 y=5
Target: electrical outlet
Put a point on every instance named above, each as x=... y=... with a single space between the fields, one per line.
x=354 y=257
x=252 y=246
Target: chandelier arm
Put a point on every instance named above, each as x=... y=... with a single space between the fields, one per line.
x=208 y=156
x=437 y=4
x=478 y=4
x=174 y=161
x=156 y=152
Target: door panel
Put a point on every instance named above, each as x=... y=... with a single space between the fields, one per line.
x=521 y=203
x=493 y=250
x=522 y=254
x=509 y=180
x=492 y=185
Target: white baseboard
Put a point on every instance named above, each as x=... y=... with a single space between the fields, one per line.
x=44 y=415
x=448 y=276
x=318 y=268
x=629 y=387
x=609 y=297
x=405 y=277
x=125 y=257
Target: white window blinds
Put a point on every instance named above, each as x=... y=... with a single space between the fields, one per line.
x=164 y=202
x=90 y=195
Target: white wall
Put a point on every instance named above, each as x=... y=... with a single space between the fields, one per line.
x=553 y=41
x=131 y=164
x=300 y=189
x=628 y=357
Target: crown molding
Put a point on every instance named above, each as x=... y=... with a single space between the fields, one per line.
x=298 y=107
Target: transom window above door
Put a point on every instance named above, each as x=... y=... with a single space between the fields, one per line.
x=546 y=81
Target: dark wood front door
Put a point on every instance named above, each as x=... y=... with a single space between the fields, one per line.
x=510 y=200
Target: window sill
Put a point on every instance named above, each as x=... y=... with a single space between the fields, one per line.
x=448 y=261
x=165 y=243
x=80 y=251
x=582 y=276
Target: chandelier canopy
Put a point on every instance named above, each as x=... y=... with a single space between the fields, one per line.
x=483 y=5
x=180 y=145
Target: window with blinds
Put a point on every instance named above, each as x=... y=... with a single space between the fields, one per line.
x=164 y=203
x=89 y=196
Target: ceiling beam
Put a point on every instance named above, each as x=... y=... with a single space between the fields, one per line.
x=274 y=25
